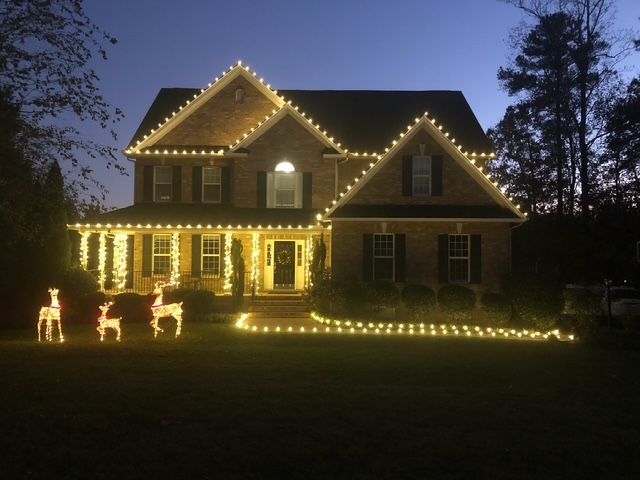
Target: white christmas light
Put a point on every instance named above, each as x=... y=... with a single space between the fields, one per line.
x=104 y=322
x=160 y=310
x=50 y=315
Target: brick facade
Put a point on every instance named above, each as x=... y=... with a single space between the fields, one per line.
x=422 y=249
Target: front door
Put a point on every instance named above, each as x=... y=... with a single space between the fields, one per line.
x=284 y=272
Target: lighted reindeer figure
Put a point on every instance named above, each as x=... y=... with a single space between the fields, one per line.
x=104 y=322
x=159 y=310
x=48 y=315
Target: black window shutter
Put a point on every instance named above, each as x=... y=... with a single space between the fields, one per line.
x=147 y=258
x=93 y=246
x=306 y=190
x=399 y=257
x=476 y=259
x=147 y=183
x=443 y=258
x=407 y=175
x=130 y=253
x=262 y=190
x=225 y=179
x=436 y=175
x=176 y=193
x=367 y=257
x=196 y=184
x=196 y=251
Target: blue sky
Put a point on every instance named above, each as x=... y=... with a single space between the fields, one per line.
x=305 y=44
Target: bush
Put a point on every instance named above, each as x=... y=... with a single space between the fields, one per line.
x=327 y=296
x=457 y=302
x=582 y=306
x=381 y=294
x=497 y=307
x=419 y=299
x=536 y=299
x=132 y=307
x=79 y=296
x=196 y=304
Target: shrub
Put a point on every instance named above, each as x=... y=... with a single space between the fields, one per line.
x=381 y=294
x=497 y=306
x=536 y=299
x=196 y=304
x=419 y=299
x=79 y=296
x=457 y=302
x=582 y=306
x=132 y=307
x=355 y=300
x=327 y=296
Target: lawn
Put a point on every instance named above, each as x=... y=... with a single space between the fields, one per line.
x=224 y=403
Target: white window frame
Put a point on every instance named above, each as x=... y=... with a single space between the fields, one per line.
x=392 y=256
x=467 y=258
x=429 y=161
x=219 y=200
x=271 y=189
x=154 y=254
x=155 y=182
x=203 y=255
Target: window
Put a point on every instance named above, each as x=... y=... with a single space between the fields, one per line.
x=285 y=186
x=211 y=254
x=459 y=258
x=421 y=175
x=162 y=181
x=284 y=190
x=383 y=256
x=240 y=95
x=211 y=184
x=162 y=253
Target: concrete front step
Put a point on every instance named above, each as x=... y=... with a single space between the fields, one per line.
x=271 y=307
x=280 y=314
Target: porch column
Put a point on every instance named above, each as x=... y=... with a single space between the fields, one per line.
x=308 y=283
x=119 y=261
x=84 y=249
x=102 y=260
x=228 y=265
x=255 y=263
x=175 y=259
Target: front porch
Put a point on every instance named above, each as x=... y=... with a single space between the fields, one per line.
x=131 y=259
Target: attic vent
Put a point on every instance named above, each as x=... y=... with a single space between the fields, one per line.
x=240 y=95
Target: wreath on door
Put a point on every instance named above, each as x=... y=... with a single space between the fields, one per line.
x=285 y=257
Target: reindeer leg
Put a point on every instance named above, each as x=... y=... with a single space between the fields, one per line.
x=179 y=325
x=117 y=333
x=40 y=320
x=60 y=336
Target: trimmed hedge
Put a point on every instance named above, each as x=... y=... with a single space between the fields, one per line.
x=457 y=302
x=132 y=307
x=381 y=294
x=196 y=304
x=536 y=298
x=497 y=306
x=419 y=299
x=79 y=297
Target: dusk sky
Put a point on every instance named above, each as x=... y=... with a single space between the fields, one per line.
x=340 y=45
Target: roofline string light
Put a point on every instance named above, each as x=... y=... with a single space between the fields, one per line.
x=470 y=156
x=139 y=226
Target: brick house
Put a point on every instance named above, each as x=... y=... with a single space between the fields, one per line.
x=392 y=181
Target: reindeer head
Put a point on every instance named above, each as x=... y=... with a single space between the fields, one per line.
x=104 y=308
x=53 y=292
x=158 y=286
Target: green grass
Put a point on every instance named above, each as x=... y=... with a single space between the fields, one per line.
x=220 y=403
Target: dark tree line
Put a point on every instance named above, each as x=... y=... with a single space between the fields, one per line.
x=46 y=81
x=566 y=145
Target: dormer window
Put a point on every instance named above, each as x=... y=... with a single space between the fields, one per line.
x=162 y=183
x=240 y=95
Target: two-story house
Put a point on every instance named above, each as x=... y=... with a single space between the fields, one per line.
x=393 y=181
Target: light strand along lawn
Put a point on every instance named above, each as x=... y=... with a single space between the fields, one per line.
x=223 y=403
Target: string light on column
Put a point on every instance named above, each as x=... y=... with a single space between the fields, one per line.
x=308 y=282
x=84 y=249
x=228 y=265
x=175 y=259
x=120 y=261
x=102 y=260
x=255 y=262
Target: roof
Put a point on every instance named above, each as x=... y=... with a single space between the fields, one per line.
x=424 y=212
x=205 y=214
x=362 y=120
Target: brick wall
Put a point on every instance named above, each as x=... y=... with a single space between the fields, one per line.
x=222 y=120
x=422 y=249
x=458 y=187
